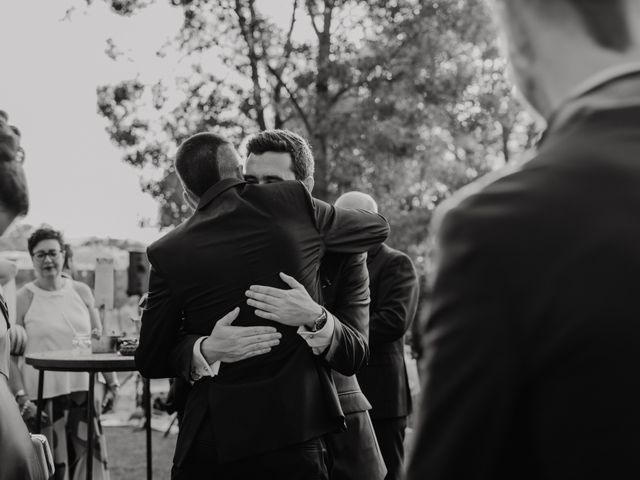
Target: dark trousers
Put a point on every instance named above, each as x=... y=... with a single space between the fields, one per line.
x=390 y=434
x=355 y=453
x=305 y=461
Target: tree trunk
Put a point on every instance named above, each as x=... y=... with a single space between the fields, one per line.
x=321 y=157
x=506 y=134
x=320 y=135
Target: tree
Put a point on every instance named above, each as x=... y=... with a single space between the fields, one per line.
x=405 y=99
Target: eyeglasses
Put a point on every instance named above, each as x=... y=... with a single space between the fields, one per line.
x=52 y=254
x=265 y=179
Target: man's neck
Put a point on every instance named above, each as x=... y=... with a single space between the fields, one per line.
x=612 y=88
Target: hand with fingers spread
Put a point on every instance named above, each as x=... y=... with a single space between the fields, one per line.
x=293 y=307
x=231 y=344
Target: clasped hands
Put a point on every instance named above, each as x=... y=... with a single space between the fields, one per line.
x=293 y=307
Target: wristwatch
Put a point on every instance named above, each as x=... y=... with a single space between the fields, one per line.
x=320 y=322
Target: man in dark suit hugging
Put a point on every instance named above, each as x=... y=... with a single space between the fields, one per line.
x=265 y=415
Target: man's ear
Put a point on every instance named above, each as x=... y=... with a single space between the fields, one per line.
x=240 y=172
x=309 y=182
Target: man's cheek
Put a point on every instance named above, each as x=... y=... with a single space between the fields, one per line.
x=8 y=148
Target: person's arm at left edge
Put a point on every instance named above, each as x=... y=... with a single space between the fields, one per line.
x=17 y=333
x=343 y=340
x=161 y=327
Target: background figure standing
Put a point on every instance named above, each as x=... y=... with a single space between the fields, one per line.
x=533 y=342
x=394 y=300
x=55 y=310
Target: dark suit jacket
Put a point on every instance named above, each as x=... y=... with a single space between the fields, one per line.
x=345 y=293
x=240 y=235
x=533 y=343
x=394 y=300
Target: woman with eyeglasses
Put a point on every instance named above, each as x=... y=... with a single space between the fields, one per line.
x=54 y=310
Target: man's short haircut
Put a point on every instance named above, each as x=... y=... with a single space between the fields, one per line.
x=203 y=160
x=285 y=141
x=45 y=233
x=605 y=20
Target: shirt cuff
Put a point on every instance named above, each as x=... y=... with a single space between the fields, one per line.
x=320 y=340
x=199 y=366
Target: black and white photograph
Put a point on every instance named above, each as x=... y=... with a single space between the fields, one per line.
x=319 y=239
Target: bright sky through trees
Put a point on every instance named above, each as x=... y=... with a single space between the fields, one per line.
x=50 y=70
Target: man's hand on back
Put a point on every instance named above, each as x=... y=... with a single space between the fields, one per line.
x=293 y=307
x=231 y=344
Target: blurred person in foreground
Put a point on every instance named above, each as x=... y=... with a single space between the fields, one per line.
x=54 y=310
x=17 y=342
x=275 y=156
x=384 y=380
x=533 y=343
x=18 y=459
x=264 y=413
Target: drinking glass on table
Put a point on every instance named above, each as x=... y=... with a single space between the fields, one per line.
x=82 y=344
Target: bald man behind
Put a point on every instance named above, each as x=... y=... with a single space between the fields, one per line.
x=358 y=200
x=394 y=299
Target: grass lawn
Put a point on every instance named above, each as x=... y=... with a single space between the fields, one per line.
x=127 y=453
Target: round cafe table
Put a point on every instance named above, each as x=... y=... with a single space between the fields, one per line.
x=70 y=361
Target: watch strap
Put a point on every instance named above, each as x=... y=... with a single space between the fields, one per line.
x=321 y=321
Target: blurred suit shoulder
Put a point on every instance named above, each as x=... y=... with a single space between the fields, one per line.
x=469 y=190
